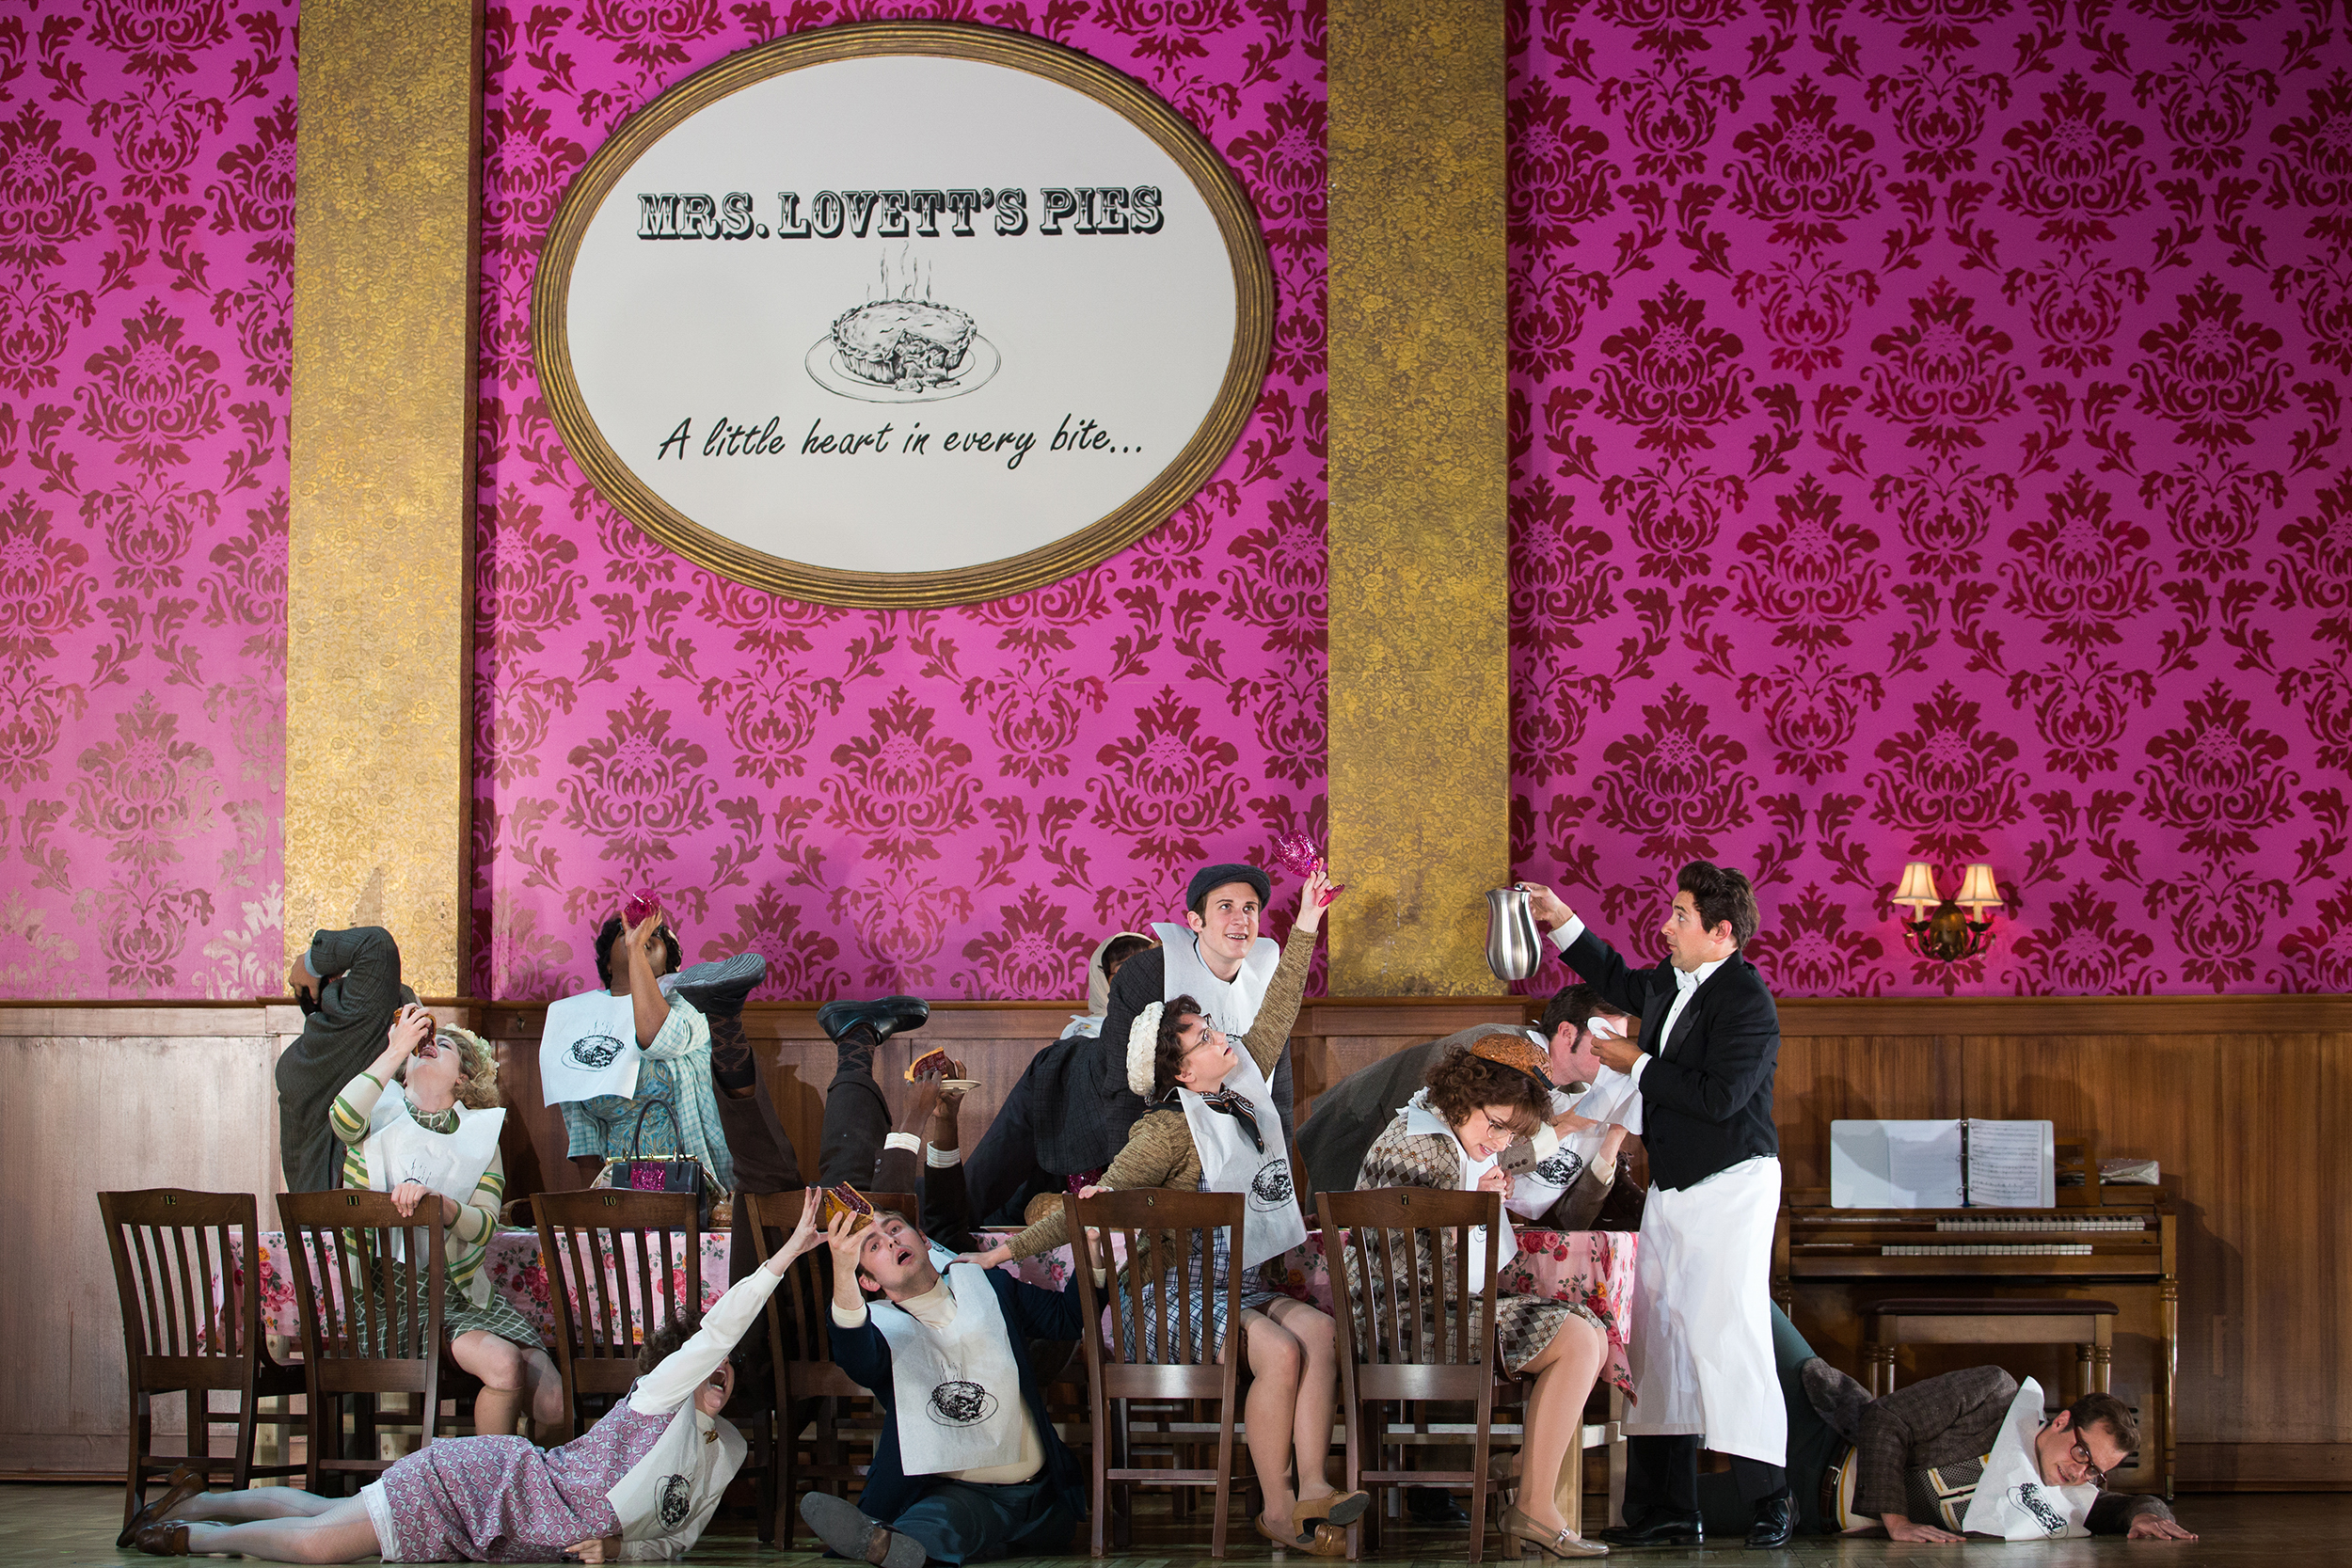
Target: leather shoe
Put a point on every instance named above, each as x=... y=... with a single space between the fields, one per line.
x=184 y=1482
x=1776 y=1522
x=838 y=1524
x=719 y=987
x=165 y=1538
x=866 y=1024
x=1668 y=1531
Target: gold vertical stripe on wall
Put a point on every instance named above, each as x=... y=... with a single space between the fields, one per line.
x=380 y=592
x=1420 y=647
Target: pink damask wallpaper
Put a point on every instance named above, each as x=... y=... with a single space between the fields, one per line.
x=958 y=803
x=1927 y=444
x=145 y=248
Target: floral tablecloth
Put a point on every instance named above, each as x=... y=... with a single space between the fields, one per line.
x=515 y=1270
x=1592 y=1268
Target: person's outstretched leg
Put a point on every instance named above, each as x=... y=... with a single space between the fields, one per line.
x=257 y=1502
x=1565 y=1371
x=857 y=1118
x=764 y=1160
x=341 y=1534
x=1318 y=1394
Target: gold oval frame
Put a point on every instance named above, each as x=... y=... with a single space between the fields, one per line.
x=1210 y=444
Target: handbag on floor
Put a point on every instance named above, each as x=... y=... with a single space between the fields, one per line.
x=674 y=1173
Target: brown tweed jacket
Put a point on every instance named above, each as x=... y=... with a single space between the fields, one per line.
x=1948 y=1420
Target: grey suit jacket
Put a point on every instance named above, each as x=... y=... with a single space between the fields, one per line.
x=347 y=1033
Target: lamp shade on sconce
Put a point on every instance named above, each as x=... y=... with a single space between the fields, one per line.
x=1978 y=890
x=1919 y=889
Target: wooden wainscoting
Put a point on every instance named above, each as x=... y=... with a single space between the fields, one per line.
x=2245 y=1100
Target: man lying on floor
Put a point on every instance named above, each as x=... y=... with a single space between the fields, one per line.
x=961 y=1472
x=1966 y=1454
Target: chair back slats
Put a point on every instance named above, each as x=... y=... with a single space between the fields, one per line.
x=617 y=1273
x=1151 y=1335
x=1407 y=1298
x=1412 y=1324
x=186 y=1321
x=825 y=1414
x=192 y=1323
x=370 y=1282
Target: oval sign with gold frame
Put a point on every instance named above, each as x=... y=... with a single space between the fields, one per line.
x=903 y=313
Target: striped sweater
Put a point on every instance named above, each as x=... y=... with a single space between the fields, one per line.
x=469 y=1240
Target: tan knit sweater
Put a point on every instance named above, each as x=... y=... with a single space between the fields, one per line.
x=1160 y=1152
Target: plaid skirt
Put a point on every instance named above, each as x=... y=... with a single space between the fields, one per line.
x=1204 y=1309
x=459 y=1315
x=1525 y=1326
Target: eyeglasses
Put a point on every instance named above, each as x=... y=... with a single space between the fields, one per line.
x=2093 y=1474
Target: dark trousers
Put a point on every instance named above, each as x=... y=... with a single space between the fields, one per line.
x=1002 y=1174
x=959 y=1522
x=1812 y=1445
x=1662 y=1480
x=764 y=1160
x=857 y=1120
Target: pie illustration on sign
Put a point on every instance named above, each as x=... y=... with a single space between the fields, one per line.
x=907 y=343
x=901 y=348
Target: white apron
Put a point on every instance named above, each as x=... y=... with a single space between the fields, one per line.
x=1537 y=1190
x=2012 y=1501
x=1701 y=1351
x=1230 y=1163
x=1421 y=1119
x=450 y=1164
x=670 y=1494
x=1230 y=1005
x=957 y=1390
x=588 y=1046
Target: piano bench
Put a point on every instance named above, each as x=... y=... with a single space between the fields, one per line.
x=2088 y=1325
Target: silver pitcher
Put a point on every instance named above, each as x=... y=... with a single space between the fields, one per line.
x=1515 y=949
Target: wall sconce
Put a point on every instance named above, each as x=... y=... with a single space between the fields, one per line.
x=1960 y=927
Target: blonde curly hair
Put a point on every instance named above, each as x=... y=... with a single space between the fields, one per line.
x=478 y=1067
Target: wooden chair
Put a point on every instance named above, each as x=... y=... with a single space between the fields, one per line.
x=1148 y=1347
x=1396 y=1342
x=183 y=1333
x=622 y=1266
x=813 y=1395
x=356 y=1264
x=613 y=1261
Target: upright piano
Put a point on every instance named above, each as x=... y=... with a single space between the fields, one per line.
x=1830 y=1265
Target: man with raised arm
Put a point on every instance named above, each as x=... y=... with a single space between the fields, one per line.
x=968 y=1464
x=1701 y=1351
x=1075 y=1098
x=348 y=985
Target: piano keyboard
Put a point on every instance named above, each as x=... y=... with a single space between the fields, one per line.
x=1990 y=1249
x=2109 y=1222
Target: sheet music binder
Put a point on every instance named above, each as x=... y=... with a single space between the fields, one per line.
x=1974 y=1163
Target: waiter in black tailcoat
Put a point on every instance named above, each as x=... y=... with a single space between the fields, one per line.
x=1701 y=1351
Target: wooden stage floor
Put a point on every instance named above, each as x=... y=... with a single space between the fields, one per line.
x=57 y=1527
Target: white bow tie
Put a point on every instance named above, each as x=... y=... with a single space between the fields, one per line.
x=1686 y=980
